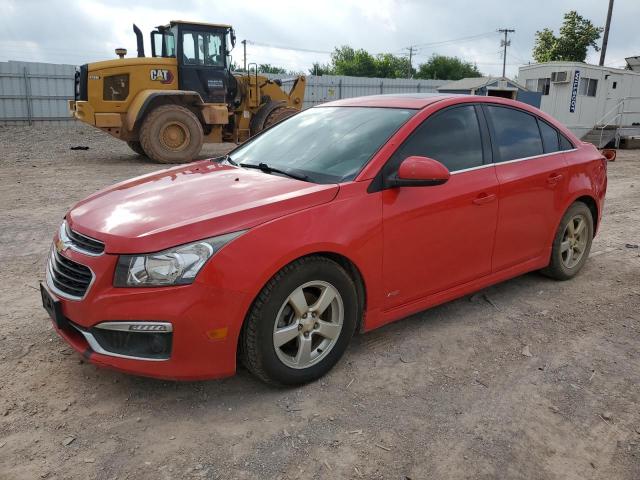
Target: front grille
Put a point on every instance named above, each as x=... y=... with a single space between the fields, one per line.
x=68 y=277
x=83 y=243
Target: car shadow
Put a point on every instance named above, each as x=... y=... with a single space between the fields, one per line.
x=243 y=384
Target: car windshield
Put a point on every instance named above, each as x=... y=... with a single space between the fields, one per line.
x=324 y=144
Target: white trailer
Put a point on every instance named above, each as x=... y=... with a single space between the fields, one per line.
x=599 y=104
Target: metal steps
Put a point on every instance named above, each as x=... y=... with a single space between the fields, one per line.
x=600 y=137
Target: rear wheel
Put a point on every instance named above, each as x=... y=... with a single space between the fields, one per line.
x=171 y=134
x=136 y=147
x=301 y=322
x=572 y=243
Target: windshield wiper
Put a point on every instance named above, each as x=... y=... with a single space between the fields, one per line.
x=268 y=169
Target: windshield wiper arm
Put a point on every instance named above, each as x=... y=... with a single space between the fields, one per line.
x=268 y=169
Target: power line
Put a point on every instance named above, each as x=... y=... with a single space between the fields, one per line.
x=282 y=47
x=455 y=40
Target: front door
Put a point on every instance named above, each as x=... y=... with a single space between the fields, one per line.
x=440 y=236
x=614 y=89
x=532 y=173
x=202 y=63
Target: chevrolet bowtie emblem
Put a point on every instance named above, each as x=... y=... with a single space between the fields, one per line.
x=60 y=246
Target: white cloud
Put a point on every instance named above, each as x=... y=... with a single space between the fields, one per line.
x=79 y=31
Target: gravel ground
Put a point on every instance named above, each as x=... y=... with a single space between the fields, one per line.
x=527 y=379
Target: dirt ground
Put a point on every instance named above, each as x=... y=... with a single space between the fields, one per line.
x=530 y=379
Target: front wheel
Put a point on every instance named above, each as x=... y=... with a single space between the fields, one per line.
x=301 y=322
x=572 y=243
x=171 y=134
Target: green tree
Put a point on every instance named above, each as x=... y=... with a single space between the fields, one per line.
x=268 y=68
x=358 y=63
x=577 y=34
x=391 y=66
x=321 y=69
x=441 y=67
x=236 y=67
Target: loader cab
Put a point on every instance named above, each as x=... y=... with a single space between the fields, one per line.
x=202 y=53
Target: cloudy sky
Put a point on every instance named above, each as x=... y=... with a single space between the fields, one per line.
x=80 y=31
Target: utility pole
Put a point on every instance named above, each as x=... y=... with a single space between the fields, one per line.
x=605 y=38
x=244 y=46
x=505 y=43
x=411 y=49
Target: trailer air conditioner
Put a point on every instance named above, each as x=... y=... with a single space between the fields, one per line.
x=559 y=77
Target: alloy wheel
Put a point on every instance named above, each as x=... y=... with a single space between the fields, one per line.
x=574 y=241
x=308 y=324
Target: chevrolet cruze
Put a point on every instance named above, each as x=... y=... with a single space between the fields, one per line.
x=338 y=220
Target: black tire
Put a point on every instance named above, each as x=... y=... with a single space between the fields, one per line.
x=155 y=134
x=258 y=352
x=557 y=268
x=136 y=147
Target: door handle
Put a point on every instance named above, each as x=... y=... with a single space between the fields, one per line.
x=484 y=198
x=553 y=179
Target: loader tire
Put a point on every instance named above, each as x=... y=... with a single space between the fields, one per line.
x=136 y=147
x=171 y=134
x=268 y=115
x=279 y=114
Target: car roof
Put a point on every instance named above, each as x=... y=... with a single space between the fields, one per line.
x=396 y=100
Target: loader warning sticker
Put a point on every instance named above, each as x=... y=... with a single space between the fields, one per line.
x=162 y=76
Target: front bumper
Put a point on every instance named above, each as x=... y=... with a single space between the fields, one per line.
x=205 y=323
x=83 y=111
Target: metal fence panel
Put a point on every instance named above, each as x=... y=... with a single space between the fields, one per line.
x=38 y=92
x=33 y=92
x=326 y=88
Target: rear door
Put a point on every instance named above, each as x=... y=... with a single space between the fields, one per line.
x=441 y=236
x=532 y=172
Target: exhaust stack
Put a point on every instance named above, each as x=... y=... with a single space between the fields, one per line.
x=139 y=40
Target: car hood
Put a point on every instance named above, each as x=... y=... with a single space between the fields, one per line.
x=188 y=203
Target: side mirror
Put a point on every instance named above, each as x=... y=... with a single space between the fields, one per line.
x=419 y=172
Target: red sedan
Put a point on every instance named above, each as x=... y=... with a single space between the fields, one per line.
x=338 y=220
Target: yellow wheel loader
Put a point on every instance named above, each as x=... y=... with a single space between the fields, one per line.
x=166 y=105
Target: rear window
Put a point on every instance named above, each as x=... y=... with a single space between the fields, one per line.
x=516 y=133
x=565 y=144
x=549 y=137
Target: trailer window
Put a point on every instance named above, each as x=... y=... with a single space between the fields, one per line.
x=588 y=87
x=541 y=85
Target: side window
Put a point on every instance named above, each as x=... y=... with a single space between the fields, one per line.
x=549 y=137
x=565 y=144
x=516 y=133
x=188 y=49
x=214 y=51
x=451 y=137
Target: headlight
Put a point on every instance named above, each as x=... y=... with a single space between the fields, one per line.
x=175 y=266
